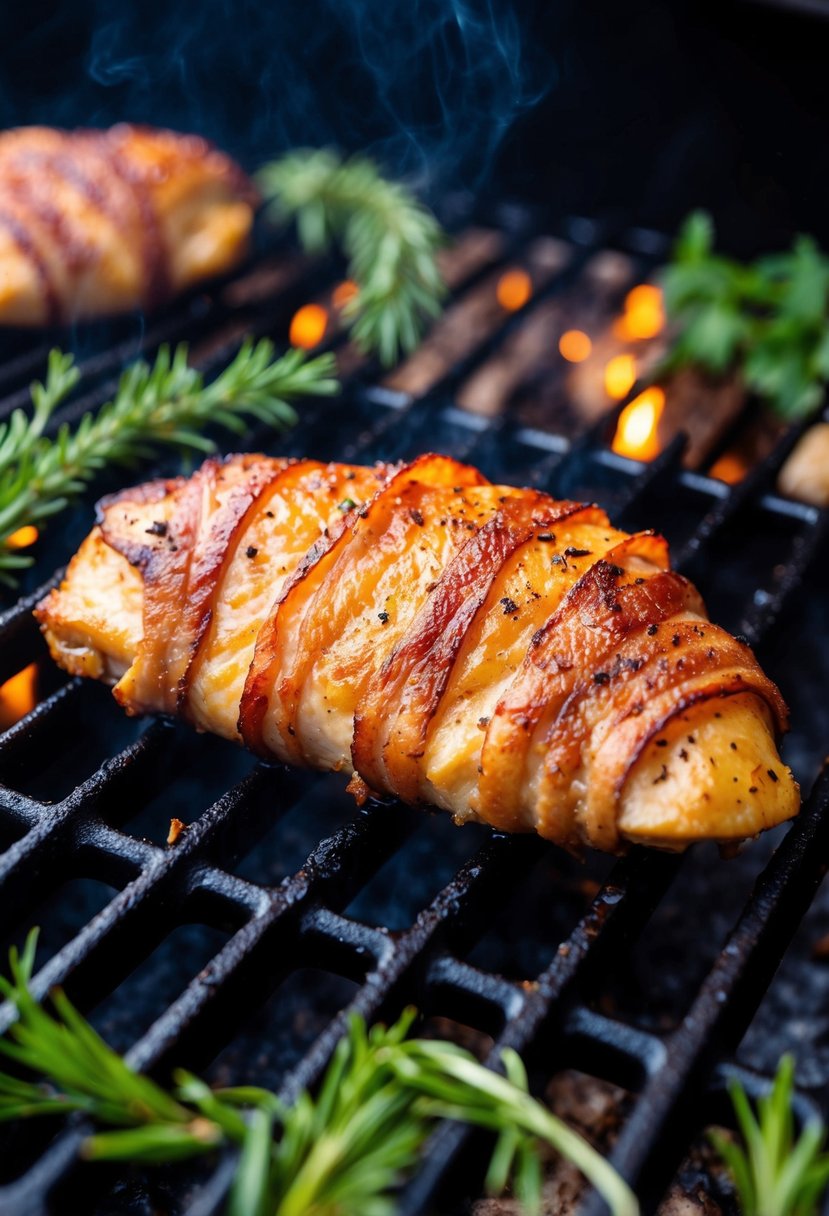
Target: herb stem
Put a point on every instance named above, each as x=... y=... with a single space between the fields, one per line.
x=164 y=404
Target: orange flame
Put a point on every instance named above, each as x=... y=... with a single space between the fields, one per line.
x=514 y=289
x=575 y=346
x=344 y=292
x=644 y=315
x=730 y=468
x=636 y=431
x=308 y=326
x=18 y=696
x=23 y=537
x=619 y=376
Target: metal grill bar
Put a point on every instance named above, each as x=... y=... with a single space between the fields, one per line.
x=304 y=919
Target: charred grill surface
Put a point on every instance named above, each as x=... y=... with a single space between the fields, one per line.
x=241 y=948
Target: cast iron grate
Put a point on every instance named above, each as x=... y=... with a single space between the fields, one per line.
x=215 y=926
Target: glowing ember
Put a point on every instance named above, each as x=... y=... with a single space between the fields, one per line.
x=644 y=315
x=514 y=289
x=18 y=696
x=620 y=376
x=636 y=431
x=730 y=468
x=23 y=537
x=308 y=326
x=344 y=292
x=574 y=346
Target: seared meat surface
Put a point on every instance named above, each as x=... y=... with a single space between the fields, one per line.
x=511 y=658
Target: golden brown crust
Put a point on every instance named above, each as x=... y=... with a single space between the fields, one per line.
x=100 y=222
x=512 y=658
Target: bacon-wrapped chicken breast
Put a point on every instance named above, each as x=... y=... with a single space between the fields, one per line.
x=495 y=652
x=94 y=223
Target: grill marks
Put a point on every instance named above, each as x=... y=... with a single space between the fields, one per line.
x=20 y=232
x=378 y=637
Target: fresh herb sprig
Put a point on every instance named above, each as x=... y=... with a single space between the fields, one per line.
x=341 y=1152
x=166 y=403
x=766 y=321
x=776 y=1172
x=389 y=238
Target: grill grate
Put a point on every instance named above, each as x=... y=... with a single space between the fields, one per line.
x=246 y=928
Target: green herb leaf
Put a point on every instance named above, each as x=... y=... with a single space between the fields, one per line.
x=767 y=322
x=775 y=1171
x=389 y=238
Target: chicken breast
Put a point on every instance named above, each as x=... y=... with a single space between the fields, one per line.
x=511 y=658
x=94 y=223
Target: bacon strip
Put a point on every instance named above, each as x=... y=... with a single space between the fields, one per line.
x=397 y=706
x=325 y=592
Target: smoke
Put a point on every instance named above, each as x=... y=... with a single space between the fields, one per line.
x=430 y=87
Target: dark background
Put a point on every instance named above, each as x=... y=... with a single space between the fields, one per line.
x=639 y=110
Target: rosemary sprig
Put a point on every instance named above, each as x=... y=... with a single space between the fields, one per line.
x=166 y=403
x=342 y=1152
x=775 y=1171
x=766 y=321
x=389 y=238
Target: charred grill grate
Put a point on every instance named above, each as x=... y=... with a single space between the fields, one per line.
x=238 y=930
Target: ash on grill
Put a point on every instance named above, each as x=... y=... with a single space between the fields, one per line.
x=240 y=948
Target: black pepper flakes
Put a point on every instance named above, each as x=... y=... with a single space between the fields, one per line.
x=638 y=581
x=416 y=517
x=663 y=776
x=676 y=639
x=251 y=552
x=157 y=528
x=509 y=605
x=733 y=746
x=652 y=630
x=383 y=617
x=752 y=789
x=616 y=571
x=661 y=742
x=772 y=774
x=601 y=677
x=571 y=552
x=483 y=723
x=546 y=537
